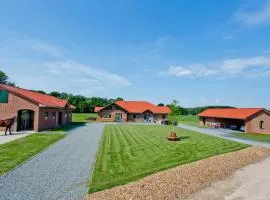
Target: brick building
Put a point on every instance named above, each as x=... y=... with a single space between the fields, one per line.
x=132 y=111
x=250 y=120
x=34 y=111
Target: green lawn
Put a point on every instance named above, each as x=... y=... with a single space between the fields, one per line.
x=82 y=117
x=188 y=119
x=14 y=153
x=130 y=152
x=255 y=136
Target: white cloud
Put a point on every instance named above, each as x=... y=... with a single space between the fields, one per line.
x=254 y=17
x=245 y=67
x=238 y=65
x=38 y=65
x=190 y=71
x=83 y=73
x=45 y=48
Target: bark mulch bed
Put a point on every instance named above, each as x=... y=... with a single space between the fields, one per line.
x=180 y=182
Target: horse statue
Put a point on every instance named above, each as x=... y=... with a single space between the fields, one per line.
x=8 y=123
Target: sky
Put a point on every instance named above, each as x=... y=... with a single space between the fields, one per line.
x=212 y=52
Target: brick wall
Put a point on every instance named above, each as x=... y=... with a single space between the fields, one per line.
x=127 y=117
x=253 y=124
x=51 y=121
x=112 y=111
x=15 y=103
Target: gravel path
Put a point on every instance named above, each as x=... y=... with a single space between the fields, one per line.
x=60 y=172
x=223 y=134
x=180 y=182
x=252 y=182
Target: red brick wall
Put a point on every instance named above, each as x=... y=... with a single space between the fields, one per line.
x=112 y=110
x=51 y=122
x=127 y=117
x=253 y=125
x=15 y=104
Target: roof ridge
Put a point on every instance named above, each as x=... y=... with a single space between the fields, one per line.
x=31 y=91
x=39 y=98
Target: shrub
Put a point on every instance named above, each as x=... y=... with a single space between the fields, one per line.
x=91 y=118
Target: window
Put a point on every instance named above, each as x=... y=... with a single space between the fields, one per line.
x=54 y=115
x=3 y=96
x=107 y=116
x=134 y=116
x=46 y=115
x=261 y=125
x=163 y=116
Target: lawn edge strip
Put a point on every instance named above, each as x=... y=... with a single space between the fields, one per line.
x=35 y=155
x=96 y=156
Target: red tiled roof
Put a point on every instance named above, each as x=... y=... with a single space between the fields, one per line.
x=142 y=106
x=232 y=113
x=98 y=108
x=41 y=99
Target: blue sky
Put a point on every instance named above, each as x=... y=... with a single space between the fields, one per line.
x=211 y=52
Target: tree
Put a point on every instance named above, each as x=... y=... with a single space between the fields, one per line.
x=55 y=94
x=3 y=77
x=161 y=104
x=40 y=91
x=119 y=99
x=11 y=84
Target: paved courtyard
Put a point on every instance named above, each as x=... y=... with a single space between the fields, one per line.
x=223 y=133
x=251 y=182
x=8 y=138
x=60 y=172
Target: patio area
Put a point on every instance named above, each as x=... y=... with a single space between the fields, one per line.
x=16 y=135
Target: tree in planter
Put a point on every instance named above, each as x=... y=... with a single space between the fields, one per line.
x=173 y=115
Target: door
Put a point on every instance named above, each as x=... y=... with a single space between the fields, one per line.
x=118 y=117
x=25 y=120
x=60 y=118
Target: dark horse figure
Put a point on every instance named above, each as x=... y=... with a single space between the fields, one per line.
x=8 y=123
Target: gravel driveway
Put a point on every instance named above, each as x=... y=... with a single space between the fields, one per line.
x=60 y=172
x=223 y=133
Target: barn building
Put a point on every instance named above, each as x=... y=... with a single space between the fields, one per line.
x=250 y=120
x=132 y=111
x=34 y=111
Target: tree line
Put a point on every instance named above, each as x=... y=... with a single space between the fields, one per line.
x=178 y=110
x=87 y=104
x=84 y=104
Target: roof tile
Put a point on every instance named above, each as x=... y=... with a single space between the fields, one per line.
x=142 y=106
x=232 y=113
x=42 y=99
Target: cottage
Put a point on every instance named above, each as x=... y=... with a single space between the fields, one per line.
x=34 y=111
x=250 y=120
x=132 y=111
